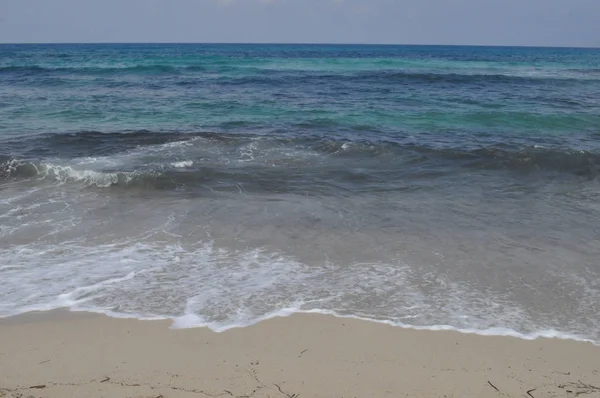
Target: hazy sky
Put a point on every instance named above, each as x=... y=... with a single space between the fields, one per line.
x=494 y=22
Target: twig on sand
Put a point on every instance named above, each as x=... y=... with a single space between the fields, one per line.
x=43 y=362
x=299 y=356
x=493 y=386
x=579 y=388
x=38 y=387
x=285 y=393
x=530 y=391
x=106 y=378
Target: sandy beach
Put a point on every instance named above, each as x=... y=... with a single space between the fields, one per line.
x=62 y=354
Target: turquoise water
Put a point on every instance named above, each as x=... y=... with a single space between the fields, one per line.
x=218 y=185
x=351 y=88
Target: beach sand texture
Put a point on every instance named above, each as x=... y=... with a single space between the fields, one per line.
x=63 y=354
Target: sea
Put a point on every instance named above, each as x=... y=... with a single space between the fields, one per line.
x=430 y=187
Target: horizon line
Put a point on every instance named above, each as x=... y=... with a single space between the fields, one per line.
x=297 y=44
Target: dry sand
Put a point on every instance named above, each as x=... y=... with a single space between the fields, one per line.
x=61 y=354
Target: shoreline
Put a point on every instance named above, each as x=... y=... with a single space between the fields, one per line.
x=62 y=353
x=182 y=323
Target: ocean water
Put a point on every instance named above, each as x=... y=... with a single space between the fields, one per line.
x=219 y=185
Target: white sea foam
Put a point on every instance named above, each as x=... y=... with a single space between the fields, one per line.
x=64 y=173
x=206 y=287
x=215 y=288
x=77 y=170
x=123 y=166
x=247 y=152
x=182 y=164
x=191 y=321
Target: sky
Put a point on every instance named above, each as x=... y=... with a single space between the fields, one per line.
x=480 y=22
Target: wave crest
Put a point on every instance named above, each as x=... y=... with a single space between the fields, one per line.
x=172 y=160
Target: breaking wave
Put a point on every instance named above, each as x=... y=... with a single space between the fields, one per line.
x=172 y=160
